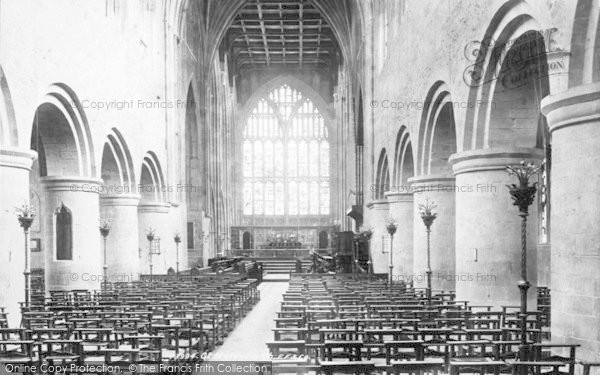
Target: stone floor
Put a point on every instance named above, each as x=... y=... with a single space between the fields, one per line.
x=248 y=341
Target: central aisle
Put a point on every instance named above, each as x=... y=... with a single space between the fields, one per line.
x=248 y=341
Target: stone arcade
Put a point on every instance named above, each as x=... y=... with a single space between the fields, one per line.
x=221 y=139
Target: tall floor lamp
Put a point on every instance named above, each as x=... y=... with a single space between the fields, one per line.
x=428 y=216
x=150 y=232
x=391 y=228
x=177 y=239
x=523 y=195
x=25 y=215
x=104 y=231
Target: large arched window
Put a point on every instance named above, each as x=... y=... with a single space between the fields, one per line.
x=286 y=157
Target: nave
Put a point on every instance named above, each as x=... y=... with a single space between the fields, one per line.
x=419 y=167
x=315 y=323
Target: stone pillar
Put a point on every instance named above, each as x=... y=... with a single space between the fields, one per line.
x=121 y=246
x=440 y=190
x=15 y=165
x=80 y=196
x=488 y=228
x=376 y=216
x=574 y=120
x=155 y=215
x=402 y=211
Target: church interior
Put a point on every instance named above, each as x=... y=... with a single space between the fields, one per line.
x=300 y=186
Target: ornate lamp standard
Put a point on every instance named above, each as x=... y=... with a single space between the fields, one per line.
x=523 y=195
x=104 y=230
x=150 y=232
x=25 y=215
x=428 y=216
x=177 y=240
x=391 y=228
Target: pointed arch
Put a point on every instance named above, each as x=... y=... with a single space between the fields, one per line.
x=296 y=84
x=117 y=165
x=359 y=129
x=286 y=154
x=61 y=133
x=511 y=64
x=437 y=131
x=584 y=65
x=383 y=176
x=404 y=166
x=152 y=182
x=8 y=125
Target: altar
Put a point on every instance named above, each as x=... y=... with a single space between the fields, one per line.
x=281 y=238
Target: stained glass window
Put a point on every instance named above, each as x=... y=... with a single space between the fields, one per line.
x=291 y=180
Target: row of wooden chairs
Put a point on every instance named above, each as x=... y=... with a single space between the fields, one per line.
x=166 y=320
x=334 y=324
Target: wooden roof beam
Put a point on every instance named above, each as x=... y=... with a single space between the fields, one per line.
x=262 y=27
x=301 y=27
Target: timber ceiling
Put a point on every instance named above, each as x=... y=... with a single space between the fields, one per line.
x=284 y=34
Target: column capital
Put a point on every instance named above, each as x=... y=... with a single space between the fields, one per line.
x=395 y=197
x=72 y=184
x=490 y=159
x=379 y=204
x=156 y=207
x=577 y=105
x=120 y=200
x=432 y=179
x=17 y=157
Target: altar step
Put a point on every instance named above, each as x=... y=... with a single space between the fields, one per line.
x=281 y=266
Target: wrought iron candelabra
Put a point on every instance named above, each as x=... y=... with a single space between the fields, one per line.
x=177 y=239
x=25 y=215
x=523 y=195
x=428 y=216
x=391 y=229
x=104 y=231
x=150 y=232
